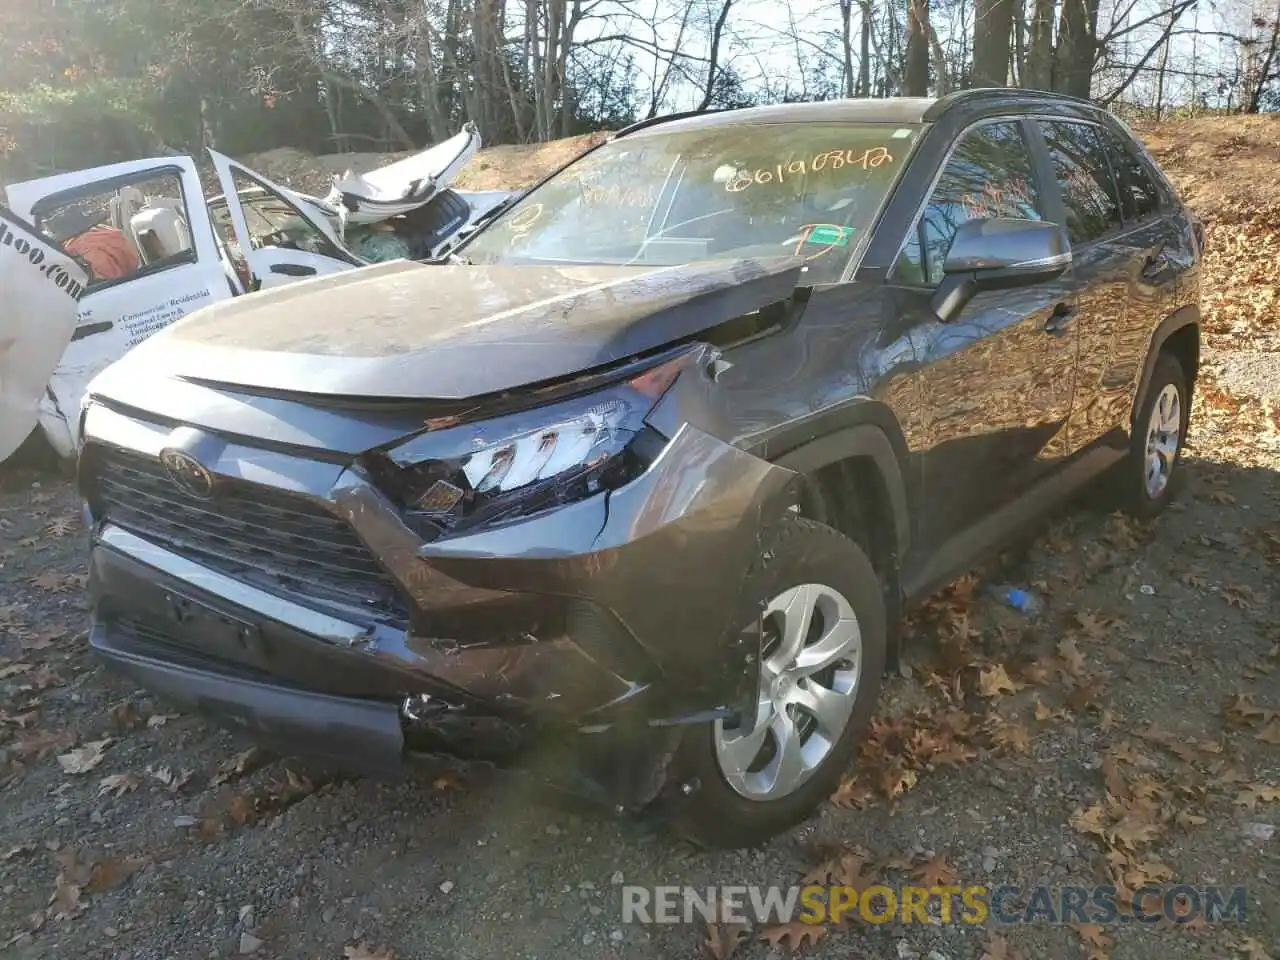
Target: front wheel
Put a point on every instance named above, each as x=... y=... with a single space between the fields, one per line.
x=821 y=659
x=1148 y=476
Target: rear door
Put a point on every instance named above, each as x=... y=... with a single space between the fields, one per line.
x=274 y=235
x=1124 y=250
x=143 y=232
x=997 y=383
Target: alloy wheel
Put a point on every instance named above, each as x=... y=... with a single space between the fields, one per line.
x=1164 y=431
x=811 y=662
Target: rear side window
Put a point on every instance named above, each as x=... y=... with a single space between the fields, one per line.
x=988 y=175
x=1084 y=176
x=1139 y=195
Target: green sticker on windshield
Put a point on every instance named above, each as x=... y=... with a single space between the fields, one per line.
x=829 y=235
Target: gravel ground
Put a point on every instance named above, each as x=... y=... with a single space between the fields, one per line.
x=207 y=851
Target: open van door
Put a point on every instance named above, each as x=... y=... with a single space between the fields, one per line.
x=41 y=286
x=142 y=231
x=279 y=236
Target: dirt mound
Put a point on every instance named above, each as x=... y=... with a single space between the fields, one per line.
x=1223 y=166
x=506 y=167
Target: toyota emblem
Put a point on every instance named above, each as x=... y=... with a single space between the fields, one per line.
x=188 y=473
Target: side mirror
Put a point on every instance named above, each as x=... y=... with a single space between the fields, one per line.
x=998 y=254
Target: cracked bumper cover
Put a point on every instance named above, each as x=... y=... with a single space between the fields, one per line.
x=617 y=608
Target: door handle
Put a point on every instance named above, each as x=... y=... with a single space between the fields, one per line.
x=1059 y=319
x=293 y=270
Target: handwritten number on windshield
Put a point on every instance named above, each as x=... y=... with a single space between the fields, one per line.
x=830 y=160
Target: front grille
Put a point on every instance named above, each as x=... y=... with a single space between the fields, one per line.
x=268 y=537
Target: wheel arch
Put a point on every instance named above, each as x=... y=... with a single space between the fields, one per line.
x=854 y=482
x=1179 y=335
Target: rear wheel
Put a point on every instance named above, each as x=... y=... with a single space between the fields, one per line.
x=1149 y=476
x=821 y=659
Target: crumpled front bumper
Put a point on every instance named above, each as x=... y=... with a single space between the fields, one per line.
x=620 y=610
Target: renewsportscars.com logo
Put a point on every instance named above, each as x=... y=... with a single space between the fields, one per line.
x=55 y=273
x=974 y=904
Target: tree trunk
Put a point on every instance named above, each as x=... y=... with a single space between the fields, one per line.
x=915 y=83
x=992 y=25
x=1268 y=64
x=1077 y=45
x=713 y=55
x=846 y=46
x=1038 y=73
x=864 y=51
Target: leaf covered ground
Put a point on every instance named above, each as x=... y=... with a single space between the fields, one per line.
x=1130 y=734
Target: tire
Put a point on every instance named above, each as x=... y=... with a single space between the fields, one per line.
x=1137 y=495
x=717 y=814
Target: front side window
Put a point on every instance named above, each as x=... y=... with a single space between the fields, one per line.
x=746 y=190
x=989 y=174
x=124 y=231
x=1084 y=176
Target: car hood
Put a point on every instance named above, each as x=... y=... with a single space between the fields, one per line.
x=409 y=330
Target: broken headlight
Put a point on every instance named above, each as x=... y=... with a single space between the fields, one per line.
x=523 y=463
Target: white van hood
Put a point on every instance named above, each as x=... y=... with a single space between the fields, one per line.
x=404 y=185
x=40 y=287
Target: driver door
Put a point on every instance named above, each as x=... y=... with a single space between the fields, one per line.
x=276 y=236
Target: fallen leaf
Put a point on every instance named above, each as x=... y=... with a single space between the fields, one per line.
x=363 y=951
x=61 y=526
x=998 y=948
x=1185 y=819
x=23 y=721
x=118 y=784
x=13 y=669
x=447 y=781
x=1239 y=595
x=792 y=935
x=56 y=582
x=1093 y=935
x=65 y=900
x=852 y=795
x=1252 y=949
x=1072 y=658
x=243 y=809
x=39 y=745
x=723 y=939
x=105 y=874
x=125 y=715
x=994 y=681
x=84 y=758
x=1089 y=821
x=935 y=873
x=1270 y=733
x=1251 y=796
x=236 y=766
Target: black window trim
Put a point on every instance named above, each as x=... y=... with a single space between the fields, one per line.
x=913 y=223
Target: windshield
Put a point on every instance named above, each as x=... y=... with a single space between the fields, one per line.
x=745 y=190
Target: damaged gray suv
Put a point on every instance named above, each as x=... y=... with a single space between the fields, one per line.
x=633 y=488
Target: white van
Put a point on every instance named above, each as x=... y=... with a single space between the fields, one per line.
x=151 y=247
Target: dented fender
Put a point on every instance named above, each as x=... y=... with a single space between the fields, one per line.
x=699 y=514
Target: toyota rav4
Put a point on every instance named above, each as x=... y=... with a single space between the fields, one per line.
x=636 y=483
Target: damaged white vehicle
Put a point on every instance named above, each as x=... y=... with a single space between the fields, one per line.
x=153 y=248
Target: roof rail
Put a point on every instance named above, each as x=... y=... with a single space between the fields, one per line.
x=654 y=121
x=943 y=104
